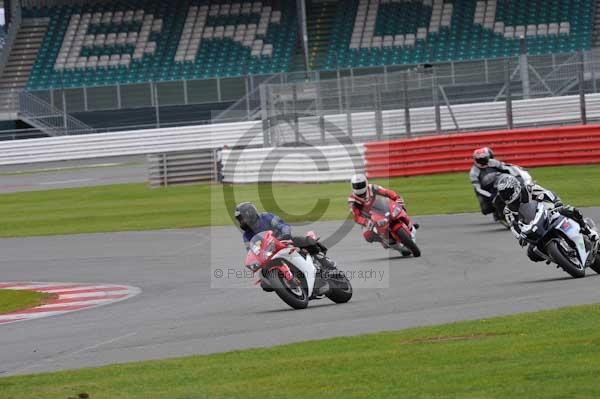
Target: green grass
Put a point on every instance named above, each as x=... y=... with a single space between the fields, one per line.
x=11 y=300
x=551 y=354
x=137 y=207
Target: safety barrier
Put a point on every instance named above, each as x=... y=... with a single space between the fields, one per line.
x=139 y=142
x=340 y=129
x=182 y=168
x=298 y=164
x=362 y=126
x=569 y=145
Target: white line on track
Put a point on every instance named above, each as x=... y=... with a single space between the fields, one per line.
x=54 y=183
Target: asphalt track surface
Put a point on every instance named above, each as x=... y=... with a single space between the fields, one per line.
x=470 y=269
x=69 y=174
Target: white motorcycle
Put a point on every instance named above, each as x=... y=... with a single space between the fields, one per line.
x=557 y=238
x=293 y=274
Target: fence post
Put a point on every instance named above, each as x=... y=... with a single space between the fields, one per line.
x=524 y=67
x=185 y=92
x=219 y=89
x=156 y=104
x=509 y=115
x=406 y=103
x=264 y=113
x=348 y=107
x=320 y=113
x=119 y=101
x=582 y=90
x=378 y=111
x=339 y=87
x=64 y=107
x=436 y=102
x=85 y=99
x=295 y=113
x=592 y=67
x=247 y=96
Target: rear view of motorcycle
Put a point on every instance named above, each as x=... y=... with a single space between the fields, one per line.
x=293 y=274
x=558 y=239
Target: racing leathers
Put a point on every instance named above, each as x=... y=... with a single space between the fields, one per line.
x=476 y=175
x=361 y=208
x=538 y=193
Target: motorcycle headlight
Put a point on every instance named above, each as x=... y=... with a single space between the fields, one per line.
x=254 y=267
x=256 y=248
x=269 y=250
x=382 y=222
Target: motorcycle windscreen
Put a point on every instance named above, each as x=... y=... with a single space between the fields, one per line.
x=527 y=211
x=253 y=256
x=380 y=206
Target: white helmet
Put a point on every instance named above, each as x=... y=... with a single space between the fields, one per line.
x=359 y=184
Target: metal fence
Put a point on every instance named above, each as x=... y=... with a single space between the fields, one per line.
x=419 y=94
x=341 y=91
x=234 y=89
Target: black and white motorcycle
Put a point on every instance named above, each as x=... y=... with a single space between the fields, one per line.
x=558 y=239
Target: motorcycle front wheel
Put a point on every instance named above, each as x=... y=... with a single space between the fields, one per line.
x=293 y=292
x=557 y=253
x=408 y=242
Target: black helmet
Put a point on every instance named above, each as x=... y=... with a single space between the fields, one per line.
x=509 y=188
x=246 y=215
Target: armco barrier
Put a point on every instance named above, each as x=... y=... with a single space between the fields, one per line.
x=138 y=142
x=297 y=164
x=570 y=145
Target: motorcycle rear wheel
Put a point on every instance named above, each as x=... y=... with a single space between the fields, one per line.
x=297 y=297
x=557 y=254
x=340 y=288
x=408 y=242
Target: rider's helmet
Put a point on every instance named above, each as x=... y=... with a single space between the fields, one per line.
x=509 y=188
x=246 y=215
x=359 y=185
x=482 y=156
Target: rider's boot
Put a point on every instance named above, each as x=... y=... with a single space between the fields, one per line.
x=325 y=261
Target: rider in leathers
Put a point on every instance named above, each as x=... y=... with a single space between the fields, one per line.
x=514 y=194
x=362 y=199
x=485 y=163
x=251 y=222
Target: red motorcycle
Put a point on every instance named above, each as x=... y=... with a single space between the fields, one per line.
x=393 y=225
x=296 y=277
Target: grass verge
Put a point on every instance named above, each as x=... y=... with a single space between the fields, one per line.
x=550 y=354
x=12 y=300
x=136 y=207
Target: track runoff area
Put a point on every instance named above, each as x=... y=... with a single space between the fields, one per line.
x=471 y=268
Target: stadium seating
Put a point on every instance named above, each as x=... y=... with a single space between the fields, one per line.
x=383 y=32
x=133 y=41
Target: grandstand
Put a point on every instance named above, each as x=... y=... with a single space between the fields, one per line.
x=71 y=44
